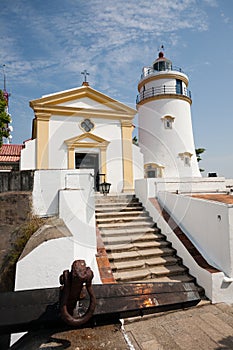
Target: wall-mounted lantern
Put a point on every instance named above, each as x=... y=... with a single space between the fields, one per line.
x=104 y=187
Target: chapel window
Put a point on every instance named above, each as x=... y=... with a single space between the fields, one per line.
x=87 y=125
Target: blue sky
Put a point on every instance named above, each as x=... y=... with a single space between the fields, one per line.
x=46 y=45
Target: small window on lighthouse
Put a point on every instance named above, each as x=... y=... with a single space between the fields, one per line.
x=168 y=124
x=168 y=121
x=186 y=157
x=187 y=161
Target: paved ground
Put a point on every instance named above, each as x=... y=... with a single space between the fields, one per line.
x=206 y=327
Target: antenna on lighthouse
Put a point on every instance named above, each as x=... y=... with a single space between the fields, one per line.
x=161 y=48
x=161 y=51
x=4 y=77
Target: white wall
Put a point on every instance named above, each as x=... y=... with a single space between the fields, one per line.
x=163 y=146
x=168 y=82
x=145 y=188
x=191 y=185
x=114 y=165
x=42 y=267
x=207 y=224
x=85 y=103
x=28 y=156
x=229 y=183
x=183 y=185
x=77 y=209
x=138 y=163
x=47 y=184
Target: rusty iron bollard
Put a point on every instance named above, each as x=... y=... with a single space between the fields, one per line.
x=71 y=292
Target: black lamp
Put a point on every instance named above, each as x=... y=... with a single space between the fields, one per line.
x=104 y=188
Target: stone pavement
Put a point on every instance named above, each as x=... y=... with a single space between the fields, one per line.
x=205 y=327
x=209 y=327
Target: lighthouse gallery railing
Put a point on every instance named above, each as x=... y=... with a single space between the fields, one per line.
x=162 y=90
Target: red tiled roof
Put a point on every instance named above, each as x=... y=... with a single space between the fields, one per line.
x=10 y=153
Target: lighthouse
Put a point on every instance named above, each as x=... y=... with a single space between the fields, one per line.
x=165 y=123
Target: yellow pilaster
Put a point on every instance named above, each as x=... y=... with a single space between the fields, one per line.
x=42 y=149
x=126 y=129
x=71 y=164
x=103 y=167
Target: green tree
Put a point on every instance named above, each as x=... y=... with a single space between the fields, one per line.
x=135 y=140
x=199 y=151
x=4 y=118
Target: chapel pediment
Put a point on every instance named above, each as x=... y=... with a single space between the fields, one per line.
x=86 y=140
x=83 y=98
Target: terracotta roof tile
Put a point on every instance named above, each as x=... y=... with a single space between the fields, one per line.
x=9 y=158
x=10 y=153
x=11 y=150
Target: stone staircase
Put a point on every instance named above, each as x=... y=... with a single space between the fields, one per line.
x=136 y=248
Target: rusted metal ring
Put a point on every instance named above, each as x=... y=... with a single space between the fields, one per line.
x=71 y=293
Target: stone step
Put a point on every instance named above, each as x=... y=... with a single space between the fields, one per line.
x=174 y=278
x=136 y=264
x=149 y=273
x=115 y=199
x=123 y=218
x=131 y=231
x=127 y=219
x=136 y=249
x=146 y=237
x=140 y=254
x=117 y=214
x=120 y=208
x=118 y=204
x=135 y=246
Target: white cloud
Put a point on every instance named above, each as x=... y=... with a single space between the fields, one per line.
x=49 y=44
x=84 y=30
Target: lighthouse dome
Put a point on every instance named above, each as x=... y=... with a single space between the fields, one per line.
x=162 y=63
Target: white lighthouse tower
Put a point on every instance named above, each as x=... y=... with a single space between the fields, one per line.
x=165 y=125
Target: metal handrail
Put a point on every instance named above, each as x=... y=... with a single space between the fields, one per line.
x=150 y=70
x=162 y=90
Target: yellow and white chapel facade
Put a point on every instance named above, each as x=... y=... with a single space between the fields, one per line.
x=83 y=128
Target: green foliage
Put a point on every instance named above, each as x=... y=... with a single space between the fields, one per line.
x=198 y=152
x=4 y=118
x=135 y=141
